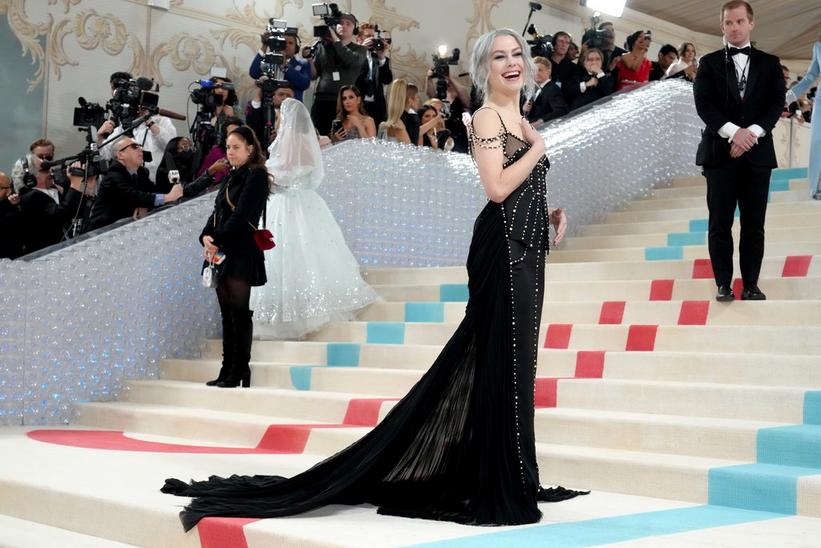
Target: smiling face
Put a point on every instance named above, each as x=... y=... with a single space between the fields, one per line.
x=237 y=150
x=736 y=26
x=507 y=67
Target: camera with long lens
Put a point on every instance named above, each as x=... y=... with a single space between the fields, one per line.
x=274 y=58
x=205 y=97
x=441 y=71
x=330 y=15
x=379 y=42
x=540 y=45
x=129 y=96
x=88 y=114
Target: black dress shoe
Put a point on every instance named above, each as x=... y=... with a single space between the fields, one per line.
x=752 y=293
x=725 y=294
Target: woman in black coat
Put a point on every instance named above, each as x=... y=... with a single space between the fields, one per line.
x=230 y=230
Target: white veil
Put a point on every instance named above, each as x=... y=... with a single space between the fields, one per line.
x=294 y=158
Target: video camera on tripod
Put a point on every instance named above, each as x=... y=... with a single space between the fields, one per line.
x=540 y=45
x=330 y=15
x=274 y=58
x=441 y=71
x=129 y=97
x=205 y=97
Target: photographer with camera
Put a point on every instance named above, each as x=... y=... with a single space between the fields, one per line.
x=603 y=37
x=153 y=134
x=455 y=101
x=377 y=71
x=633 y=67
x=296 y=71
x=338 y=61
x=126 y=190
x=11 y=220
x=255 y=114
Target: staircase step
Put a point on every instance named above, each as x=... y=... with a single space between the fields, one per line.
x=787 y=196
x=699 y=211
x=688 y=225
x=20 y=533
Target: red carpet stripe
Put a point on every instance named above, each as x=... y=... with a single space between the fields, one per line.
x=546 y=389
x=223 y=532
x=364 y=412
x=661 y=290
x=589 y=364
x=703 y=269
x=641 y=338
x=738 y=287
x=612 y=312
x=796 y=266
x=693 y=313
x=558 y=335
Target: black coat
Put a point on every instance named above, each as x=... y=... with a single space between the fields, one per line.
x=44 y=220
x=718 y=101
x=256 y=121
x=550 y=104
x=377 y=108
x=11 y=230
x=604 y=88
x=238 y=206
x=119 y=194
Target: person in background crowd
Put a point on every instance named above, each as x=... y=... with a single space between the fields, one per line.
x=351 y=119
x=591 y=82
x=255 y=114
x=296 y=71
x=179 y=155
x=125 y=189
x=458 y=98
x=563 y=67
x=393 y=129
x=667 y=56
x=573 y=51
x=432 y=132
x=217 y=152
x=339 y=61
x=794 y=94
x=547 y=102
x=377 y=72
x=686 y=66
x=610 y=51
x=224 y=89
x=11 y=220
x=410 y=118
x=633 y=67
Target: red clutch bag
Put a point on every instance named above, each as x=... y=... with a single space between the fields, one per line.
x=264 y=239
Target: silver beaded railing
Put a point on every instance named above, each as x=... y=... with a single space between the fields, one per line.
x=78 y=322
x=402 y=206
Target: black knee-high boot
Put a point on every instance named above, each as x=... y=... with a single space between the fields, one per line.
x=240 y=373
x=227 y=345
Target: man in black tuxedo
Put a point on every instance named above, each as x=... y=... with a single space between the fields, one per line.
x=376 y=74
x=548 y=100
x=739 y=94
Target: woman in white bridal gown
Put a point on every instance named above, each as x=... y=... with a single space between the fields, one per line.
x=312 y=276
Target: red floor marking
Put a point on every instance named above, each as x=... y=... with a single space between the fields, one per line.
x=546 y=388
x=364 y=412
x=289 y=438
x=612 y=312
x=703 y=269
x=796 y=266
x=738 y=287
x=693 y=313
x=558 y=335
x=661 y=290
x=589 y=364
x=223 y=532
x=641 y=338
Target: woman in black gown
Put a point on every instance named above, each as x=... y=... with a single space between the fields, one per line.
x=461 y=445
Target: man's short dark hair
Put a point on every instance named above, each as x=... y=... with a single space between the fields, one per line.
x=667 y=49
x=40 y=143
x=733 y=4
x=120 y=76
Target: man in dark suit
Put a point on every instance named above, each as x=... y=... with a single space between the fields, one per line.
x=739 y=94
x=548 y=101
x=668 y=54
x=376 y=74
x=126 y=190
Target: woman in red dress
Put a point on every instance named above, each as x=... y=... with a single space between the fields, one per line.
x=634 y=67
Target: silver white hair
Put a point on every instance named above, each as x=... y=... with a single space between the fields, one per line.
x=480 y=61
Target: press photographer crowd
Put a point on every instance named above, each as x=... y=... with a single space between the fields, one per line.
x=135 y=161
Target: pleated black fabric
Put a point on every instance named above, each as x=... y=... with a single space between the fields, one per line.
x=460 y=446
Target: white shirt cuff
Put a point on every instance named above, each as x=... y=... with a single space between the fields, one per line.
x=728 y=131
x=582 y=87
x=757 y=130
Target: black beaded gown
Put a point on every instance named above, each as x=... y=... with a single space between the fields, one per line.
x=460 y=446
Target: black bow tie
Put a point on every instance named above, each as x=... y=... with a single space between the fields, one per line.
x=745 y=51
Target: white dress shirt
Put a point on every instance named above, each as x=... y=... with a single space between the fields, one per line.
x=742 y=70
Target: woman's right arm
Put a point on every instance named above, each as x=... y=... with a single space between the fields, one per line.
x=500 y=181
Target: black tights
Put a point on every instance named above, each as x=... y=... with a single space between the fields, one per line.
x=234 y=293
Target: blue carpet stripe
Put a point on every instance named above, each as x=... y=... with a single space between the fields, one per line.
x=609 y=530
x=764 y=487
x=779 y=185
x=342 y=354
x=675 y=253
x=789 y=173
x=453 y=293
x=301 y=376
x=798 y=445
x=812 y=407
x=425 y=312
x=386 y=333
x=686 y=238
x=699 y=225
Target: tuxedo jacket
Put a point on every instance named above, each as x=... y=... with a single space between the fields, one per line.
x=718 y=101
x=549 y=104
x=377 y=108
